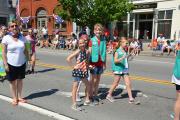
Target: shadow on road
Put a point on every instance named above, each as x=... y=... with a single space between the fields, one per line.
x=42 y=94
x=104 y=91
x=134 y=94
x=45 y=70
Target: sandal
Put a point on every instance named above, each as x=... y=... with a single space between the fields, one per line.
x=22 y=100
x=14 y=102
x=133 y=101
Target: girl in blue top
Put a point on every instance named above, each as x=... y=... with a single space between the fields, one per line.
x=120 y=69
x=176 y=81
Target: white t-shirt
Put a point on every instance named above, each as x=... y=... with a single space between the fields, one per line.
x=15 y=50
x=44 y=31
x=160 y=39
x=134 y=44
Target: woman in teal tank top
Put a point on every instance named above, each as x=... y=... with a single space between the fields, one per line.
x=176 y=81
x=120 y=69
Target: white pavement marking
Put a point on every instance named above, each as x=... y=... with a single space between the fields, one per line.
x=108 y=86
x=54 y=52
x=69 y=94
x=42 y=111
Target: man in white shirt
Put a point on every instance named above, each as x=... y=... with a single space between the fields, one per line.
x=160 y=40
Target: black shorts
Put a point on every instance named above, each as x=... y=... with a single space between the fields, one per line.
x=16 y=72
x=177 y=87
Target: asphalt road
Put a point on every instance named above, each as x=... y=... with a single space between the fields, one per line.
x=49 y=97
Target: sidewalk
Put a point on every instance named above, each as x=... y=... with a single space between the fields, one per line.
x=148 y=52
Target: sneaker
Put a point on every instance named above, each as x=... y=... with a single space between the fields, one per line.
x=76 y=107
x=133 y=101
x=172 y=115
x=111 y=99
x=96 y=100
x=78 y=99
x=88 y=103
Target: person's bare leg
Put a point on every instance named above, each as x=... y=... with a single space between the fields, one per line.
x=114 y=85
x=96 y=84
x=74 y=91
x=92 y=84
x=177 y=107
x=128 y=86
x=13 y=89
x=86 y=82
x=19 y=88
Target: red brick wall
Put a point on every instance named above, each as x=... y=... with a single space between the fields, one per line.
x=32 y=7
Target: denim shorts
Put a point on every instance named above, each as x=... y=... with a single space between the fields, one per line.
x=97 y=70
x=79 y=78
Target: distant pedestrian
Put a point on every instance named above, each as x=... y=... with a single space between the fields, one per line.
x=121 y=70
x=14 y=57
x=32 y=40
x=3 y=32
x=79 y=73
x=97 y=49
x=176 y=81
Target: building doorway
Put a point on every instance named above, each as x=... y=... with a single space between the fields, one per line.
x=145 y=30
x=144 y=26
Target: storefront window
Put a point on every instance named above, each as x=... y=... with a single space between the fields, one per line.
x=169 y=14
x=164 y=23
x=3 y=21
x=62 y=27
x=164 y=27
x=161 y=14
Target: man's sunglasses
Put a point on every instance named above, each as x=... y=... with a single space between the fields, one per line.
x=12 y=26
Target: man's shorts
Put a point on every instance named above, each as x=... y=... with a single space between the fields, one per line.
x=97 y=70
x=177 y=88
x=16 y=73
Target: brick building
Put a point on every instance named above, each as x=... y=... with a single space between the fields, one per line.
x=41 y=12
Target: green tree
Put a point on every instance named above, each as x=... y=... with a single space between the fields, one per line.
x=89 y=12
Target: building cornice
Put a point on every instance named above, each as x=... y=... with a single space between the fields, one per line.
x=148 y=1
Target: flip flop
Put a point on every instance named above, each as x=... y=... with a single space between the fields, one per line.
x=14 y=102
x=22 y=100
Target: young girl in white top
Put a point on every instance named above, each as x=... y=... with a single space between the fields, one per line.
x=80 y=72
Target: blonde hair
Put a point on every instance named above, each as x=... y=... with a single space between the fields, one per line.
x=98 y=25
x=122 y=39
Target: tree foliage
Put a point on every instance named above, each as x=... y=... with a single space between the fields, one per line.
x=89 y=12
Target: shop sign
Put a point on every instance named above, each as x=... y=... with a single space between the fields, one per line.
x=145 y=6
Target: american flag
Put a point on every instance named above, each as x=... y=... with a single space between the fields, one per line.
x=25 y=20
x=17 y=10
x=58 y=19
